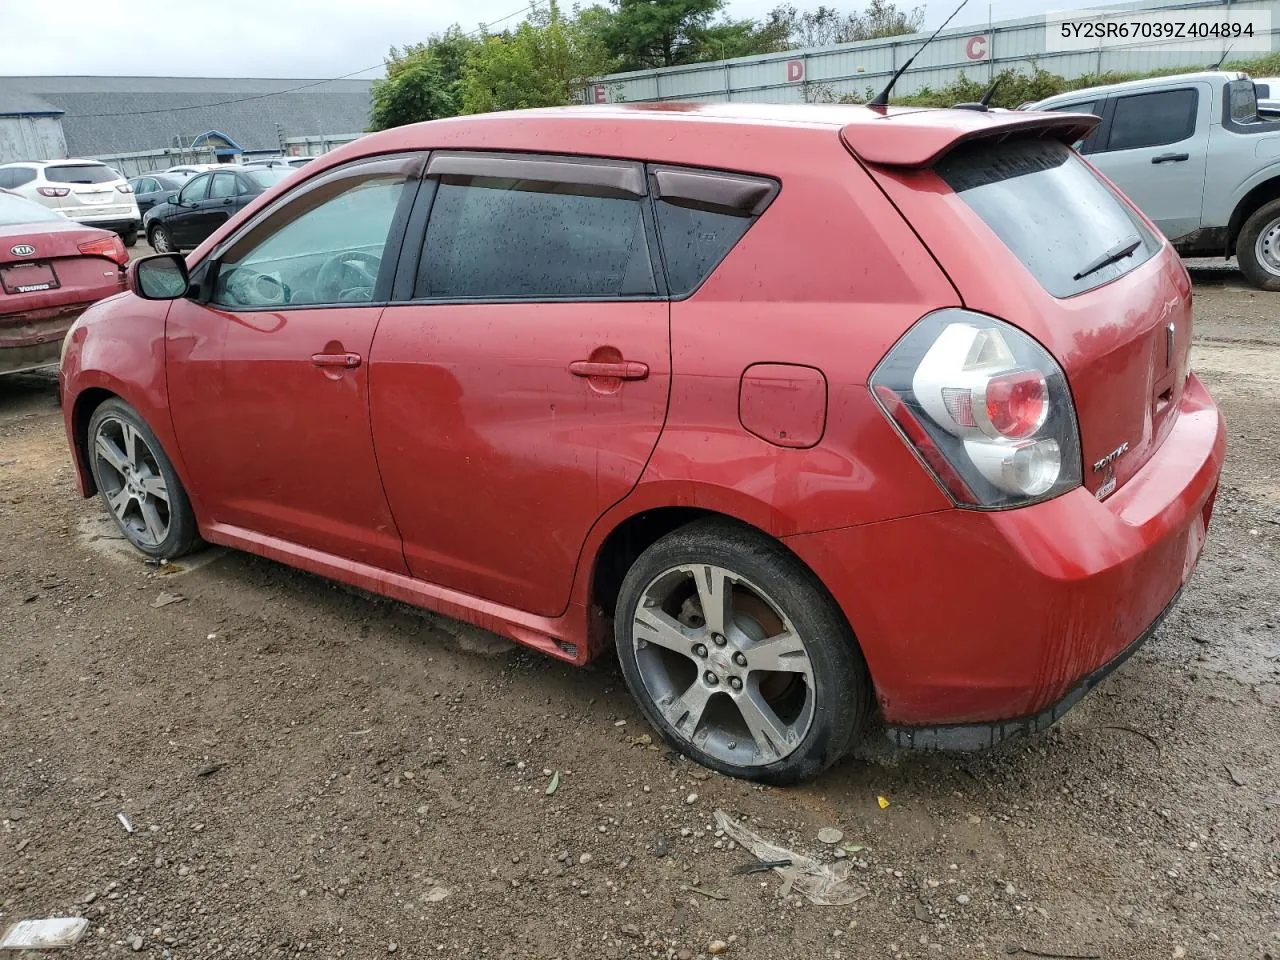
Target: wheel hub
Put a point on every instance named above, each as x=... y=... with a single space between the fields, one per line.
x=723 y=664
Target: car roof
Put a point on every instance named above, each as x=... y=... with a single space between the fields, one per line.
x=664 y=132
x=1137 y=86
x=44 y=164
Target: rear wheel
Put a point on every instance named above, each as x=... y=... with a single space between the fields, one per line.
x=130 y=237
x=138 y=484
x=738 y=656
x=160 y=239
x=1258 y=247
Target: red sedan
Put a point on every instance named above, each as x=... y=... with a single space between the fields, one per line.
x=804 y=412
x=50 y=270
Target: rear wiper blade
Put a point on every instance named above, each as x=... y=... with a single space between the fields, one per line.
x=1121 y=250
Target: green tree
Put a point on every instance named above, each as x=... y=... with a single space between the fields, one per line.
x=423 y=80
x=660 y=33
x=417 y=92
x=544 y=62
x=824 y=26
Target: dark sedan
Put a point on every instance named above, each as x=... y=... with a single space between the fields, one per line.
x=205 y=203
x=155 y=188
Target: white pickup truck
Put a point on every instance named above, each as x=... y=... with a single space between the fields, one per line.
x=1191 y=151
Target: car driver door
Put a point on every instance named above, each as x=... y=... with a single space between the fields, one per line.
x=181 y=221
x=267 y=365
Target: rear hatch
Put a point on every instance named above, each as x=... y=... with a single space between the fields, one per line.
x=91 y=189
x=1029 y=233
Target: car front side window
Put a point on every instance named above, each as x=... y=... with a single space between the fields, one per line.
x=326 y=246
x=193 y=192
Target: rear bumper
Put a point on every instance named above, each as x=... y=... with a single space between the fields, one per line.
x=1004 y=620
x=118 y=224
x=34 y=338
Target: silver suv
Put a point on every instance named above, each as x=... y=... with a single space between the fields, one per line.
x=85 y=191
x=1193 y=154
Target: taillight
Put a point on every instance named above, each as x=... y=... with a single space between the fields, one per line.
x=124 y=188
x=110 y=247
x=53 y=191
x=985 y=407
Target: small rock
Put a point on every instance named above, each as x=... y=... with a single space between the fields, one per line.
x=684 y=954
x=1179 y=952
x=717 y=947
x=962 y=899
x=830 y=835
x=661 y=846
x=89 y=897
x=691 y=798
x=392 y=947
x=584 y=859
x=630 y=930
x=136 y=944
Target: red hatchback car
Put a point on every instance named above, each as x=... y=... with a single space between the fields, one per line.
x=805 y=410
x=50 y=270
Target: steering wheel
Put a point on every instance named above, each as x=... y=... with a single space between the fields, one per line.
x=347 y=277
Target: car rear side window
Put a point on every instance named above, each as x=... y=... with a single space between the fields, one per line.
x=1051 y=211
x=1153 y=119
x=80 y=173
x=702 y=214
x=16 y=177
x=494 y=238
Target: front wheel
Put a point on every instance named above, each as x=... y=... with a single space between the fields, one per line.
x=738 y=656
x=138 y=484
x=160 y=239
x=1258 y=247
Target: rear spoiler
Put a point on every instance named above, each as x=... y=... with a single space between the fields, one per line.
x=922 y=137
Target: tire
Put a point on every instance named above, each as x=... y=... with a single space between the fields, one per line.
x=130 y=237
x=160 y=240
x=137 y=483
x=819 y=703
x=1258 y=247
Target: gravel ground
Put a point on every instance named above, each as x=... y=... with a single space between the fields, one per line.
x=313 y=771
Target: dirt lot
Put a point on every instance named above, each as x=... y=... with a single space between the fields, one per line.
x=383 y=779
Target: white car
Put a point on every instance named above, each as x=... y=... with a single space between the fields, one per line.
x=191 y=169
x=85 y=191
x=1268 y=93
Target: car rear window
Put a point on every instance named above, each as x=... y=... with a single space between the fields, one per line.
x=1050 y=210
x=268 y=176
x=16 y=210
x=80 y=173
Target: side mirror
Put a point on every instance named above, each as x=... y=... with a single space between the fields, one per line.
x=161 y=277
x=174 y=200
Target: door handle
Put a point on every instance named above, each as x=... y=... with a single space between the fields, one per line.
x=1171 y=158
x=618 y=369
x=347 y=361
x=227 y=202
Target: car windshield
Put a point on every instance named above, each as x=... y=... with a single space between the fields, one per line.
x=267 y=176
x=80 y=173
x=1048 y=207
x=16 y=210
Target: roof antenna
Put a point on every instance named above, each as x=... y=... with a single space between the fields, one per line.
x=1221 y=59
x=981 y=105
x=881 y=99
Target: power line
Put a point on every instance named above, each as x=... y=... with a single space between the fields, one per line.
x=278 y=93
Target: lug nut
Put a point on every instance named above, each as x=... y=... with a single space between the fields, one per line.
x=700 y=650
x=740 y=658
x=735 y=683
x=711 y=678
x=718 y=640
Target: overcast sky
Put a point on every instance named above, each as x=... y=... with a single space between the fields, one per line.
x=293 y=38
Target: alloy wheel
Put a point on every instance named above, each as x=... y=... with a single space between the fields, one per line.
x=724 y=664
x=160 y=240
x=132 y=481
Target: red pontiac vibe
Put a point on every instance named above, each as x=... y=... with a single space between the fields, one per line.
x=805 y=410
x=50 y=270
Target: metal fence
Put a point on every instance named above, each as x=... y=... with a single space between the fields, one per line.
x=851 y=69
x=146 y=161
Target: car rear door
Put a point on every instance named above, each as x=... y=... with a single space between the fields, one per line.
x=216 y=209
x=520 y=390
x=268 y=370
x=1156 y=151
